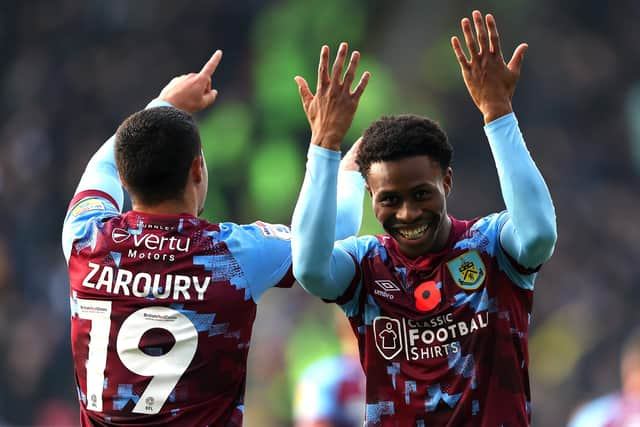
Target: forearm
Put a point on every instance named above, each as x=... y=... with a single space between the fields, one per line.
x=530 y=234
x=349 y=204
x=313 y=228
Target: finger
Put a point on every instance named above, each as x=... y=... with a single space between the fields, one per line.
x=210 y=97
x=211 y=65
x=305 y=92
x=323 y=69
x=468 y=38
x=351 y=69
x=457 y=49
x=494 y=38
x=338 y=64
x=362 y=84
x=518 y=56
x=481 y=32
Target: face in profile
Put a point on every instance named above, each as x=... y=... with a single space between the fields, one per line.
x=409 y=200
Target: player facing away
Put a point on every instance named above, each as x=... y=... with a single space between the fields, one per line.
x=163 y=302
x=440 y=306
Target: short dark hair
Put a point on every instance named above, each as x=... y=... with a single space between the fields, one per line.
x=154 y=151
x=397 y=137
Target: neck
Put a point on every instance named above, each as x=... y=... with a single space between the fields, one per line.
x=167 y=207
x=443 y=237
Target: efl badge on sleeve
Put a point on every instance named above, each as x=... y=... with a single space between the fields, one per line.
x=87 y=205
x=467 y=270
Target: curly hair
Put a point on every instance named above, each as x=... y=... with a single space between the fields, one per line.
x=397 y=137
x=154 y=151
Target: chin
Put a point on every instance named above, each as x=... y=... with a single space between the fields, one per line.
x=414 y=248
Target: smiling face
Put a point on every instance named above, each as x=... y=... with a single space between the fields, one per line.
x=410 y=200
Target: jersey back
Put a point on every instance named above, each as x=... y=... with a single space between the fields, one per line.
x=162 y=309
x=443 y=339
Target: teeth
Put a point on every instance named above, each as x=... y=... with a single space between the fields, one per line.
x=413 y=233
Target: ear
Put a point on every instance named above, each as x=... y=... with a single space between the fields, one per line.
x=197 y=167
x=448 y=181
x=368 y=189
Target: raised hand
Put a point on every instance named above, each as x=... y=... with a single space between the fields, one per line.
x=331 y=110
x=490 y=81
x=192 y=92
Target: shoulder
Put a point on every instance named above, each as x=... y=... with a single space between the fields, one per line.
x=482 y=233
x=359 y=247
x=262 y=250
x=256 y=230
x=86 y=215
x=256 y=239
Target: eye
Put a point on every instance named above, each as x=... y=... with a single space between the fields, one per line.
x=422 y=194
x=388 y=200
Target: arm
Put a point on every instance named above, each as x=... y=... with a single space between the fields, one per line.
x=319 y=267
x=529 y=235
x=100 y=190
x=350 y=195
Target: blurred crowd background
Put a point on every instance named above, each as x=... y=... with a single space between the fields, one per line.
x=71 y=71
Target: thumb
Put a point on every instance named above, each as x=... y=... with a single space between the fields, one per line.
x=209 y=98
x=305 y=92
x=518 y=56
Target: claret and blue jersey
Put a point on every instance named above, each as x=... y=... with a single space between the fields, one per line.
x=443 y=337
x=162 y=311
x=162 y=306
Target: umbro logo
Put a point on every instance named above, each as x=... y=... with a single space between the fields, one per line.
x=119 y=235
x=387 y=285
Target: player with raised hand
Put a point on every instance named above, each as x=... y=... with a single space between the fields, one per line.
x=440 y=306
x=163 y=302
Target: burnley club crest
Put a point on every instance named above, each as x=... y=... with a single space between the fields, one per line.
x=467 y=270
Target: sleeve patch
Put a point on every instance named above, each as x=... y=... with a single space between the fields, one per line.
x=87 y=206
x=274 y=230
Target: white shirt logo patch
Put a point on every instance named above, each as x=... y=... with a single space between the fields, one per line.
x=119 y=235
x=387 y=285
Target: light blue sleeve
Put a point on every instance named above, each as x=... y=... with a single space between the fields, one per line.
x=594 y=414
x=100 y=175
x=529 y=234
x=263 y=253
x=484 y=236
x=349 y=203
x=82 y=219
x=264 y=250
x=321 y=268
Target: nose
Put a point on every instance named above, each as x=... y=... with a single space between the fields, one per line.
x=409 y=212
